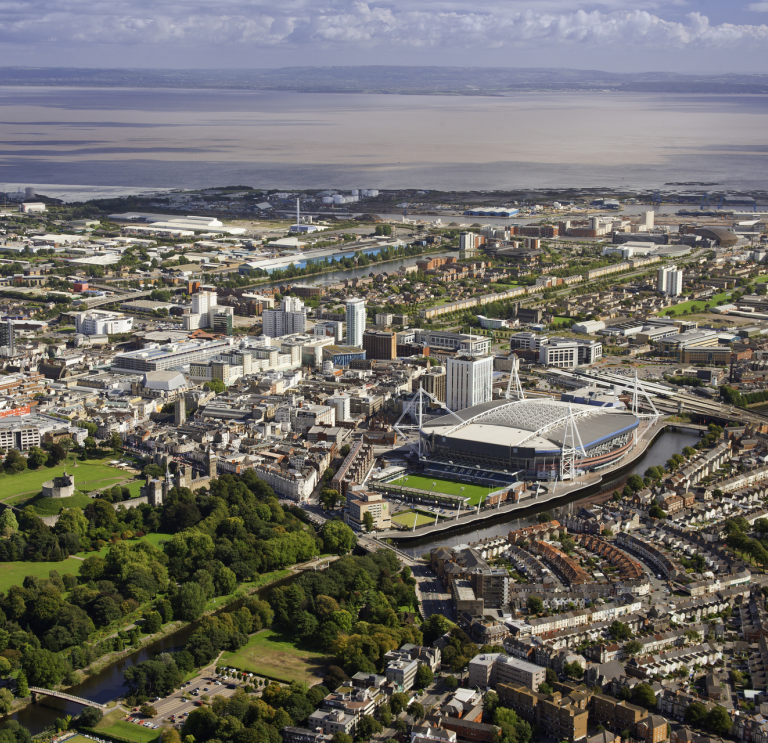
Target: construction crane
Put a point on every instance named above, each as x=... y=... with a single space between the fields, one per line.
x=704 y=200
x=656 y=198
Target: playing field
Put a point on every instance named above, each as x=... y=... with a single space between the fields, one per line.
x=13 y=573
x=475 y=493
x=407 y=518
x=276 y=656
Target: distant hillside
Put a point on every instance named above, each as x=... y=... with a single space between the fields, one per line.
x=471 y=81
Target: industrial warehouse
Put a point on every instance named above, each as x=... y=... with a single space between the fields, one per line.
x=541 y=439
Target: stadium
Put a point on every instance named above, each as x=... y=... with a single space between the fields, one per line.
x=539 y=439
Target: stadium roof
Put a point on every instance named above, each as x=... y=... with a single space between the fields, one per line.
x=533 y=423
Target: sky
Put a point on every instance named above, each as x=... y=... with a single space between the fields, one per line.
x=691 y=36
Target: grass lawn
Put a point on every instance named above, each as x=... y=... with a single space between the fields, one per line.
x=130 y=730
x=694 y=305
x=90 y=487
x=559 y=321
x=407 y=519
x=89 y=473
x=475 y=493
x=135 y=488
x=151 y=538
x=271 y=654
x=52 y=506
x=13 y=573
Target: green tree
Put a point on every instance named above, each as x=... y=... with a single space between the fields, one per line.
x=655 y=512
x=416 y=710
x=42 y=667
x=695 y=714
x=632 y=648
x=37 y=458
x=148 y=710
x=643 y=694
x=8 y=523
x=367 y=727
x=436 y=626
x=340 y=737
x=115 y=442
x=5 y=666
x=535 y=605
x=398 y=702
x=368 y=521
x=215 y=385
x=424 y=676
x=619 y=630
x=718 y=721
x=14 y=462
x=545 y=688
x=573 y=670
x=338 y=537
x=635 y=482
x=152 y=623
x=6 y=701
x=22 y=685
x=189 y=602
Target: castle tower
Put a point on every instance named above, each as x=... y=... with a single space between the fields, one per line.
x=167 y=483
x=180 y=411
x=213 y=463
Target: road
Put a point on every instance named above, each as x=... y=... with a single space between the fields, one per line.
x=434 y=598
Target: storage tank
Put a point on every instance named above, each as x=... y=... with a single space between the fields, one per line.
x=339 y=199
x=29 y=192
x=327 y=199
x=356 y=192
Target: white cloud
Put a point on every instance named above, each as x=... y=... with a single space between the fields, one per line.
x=359 y=24
x=759 y=7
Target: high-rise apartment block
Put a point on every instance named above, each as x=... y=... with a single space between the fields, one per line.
x=355 y=322
x=290 y=318
x=469 y=381
x=669 y=281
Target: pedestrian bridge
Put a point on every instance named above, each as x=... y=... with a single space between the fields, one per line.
x=67 y=697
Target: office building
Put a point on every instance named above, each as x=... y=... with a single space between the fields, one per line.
x=379 y=344
x=170 y=355
x=447 y=341
x=222 y=323
x=469 y=381
x=566 y=353
x=669 y=281
x=342 y=405
x=360 y=502
x=488 y=669
x=468 y=243
x=355 y=322
x=180 y=412
x=289 y=319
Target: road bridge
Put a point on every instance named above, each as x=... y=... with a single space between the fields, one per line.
x=66 y=697
x=101 y=301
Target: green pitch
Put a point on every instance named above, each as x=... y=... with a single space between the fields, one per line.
x=475 y=493
x=406 y=519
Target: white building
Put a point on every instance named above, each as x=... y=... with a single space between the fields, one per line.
x=669 y=281
x=355 y=322
x=289 y=319
x=588 y=327
x=648 y=220
x=203 y=301
x=32 y=207
x=342 y=405
x=469 y=381
x=102 y=322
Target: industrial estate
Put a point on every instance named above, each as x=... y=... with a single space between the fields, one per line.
x=384 y=465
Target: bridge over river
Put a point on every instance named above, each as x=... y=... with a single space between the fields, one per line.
x=68 y=697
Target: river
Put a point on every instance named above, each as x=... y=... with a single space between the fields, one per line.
x=657 y=454
x=107 y=684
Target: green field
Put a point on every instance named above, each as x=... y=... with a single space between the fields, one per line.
x=91 y=473
x=407 y=518
x=276 y=656
x=130 y=731
x=13 y=573
x=695 y=305
x=475 y=493
x=151 y=538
